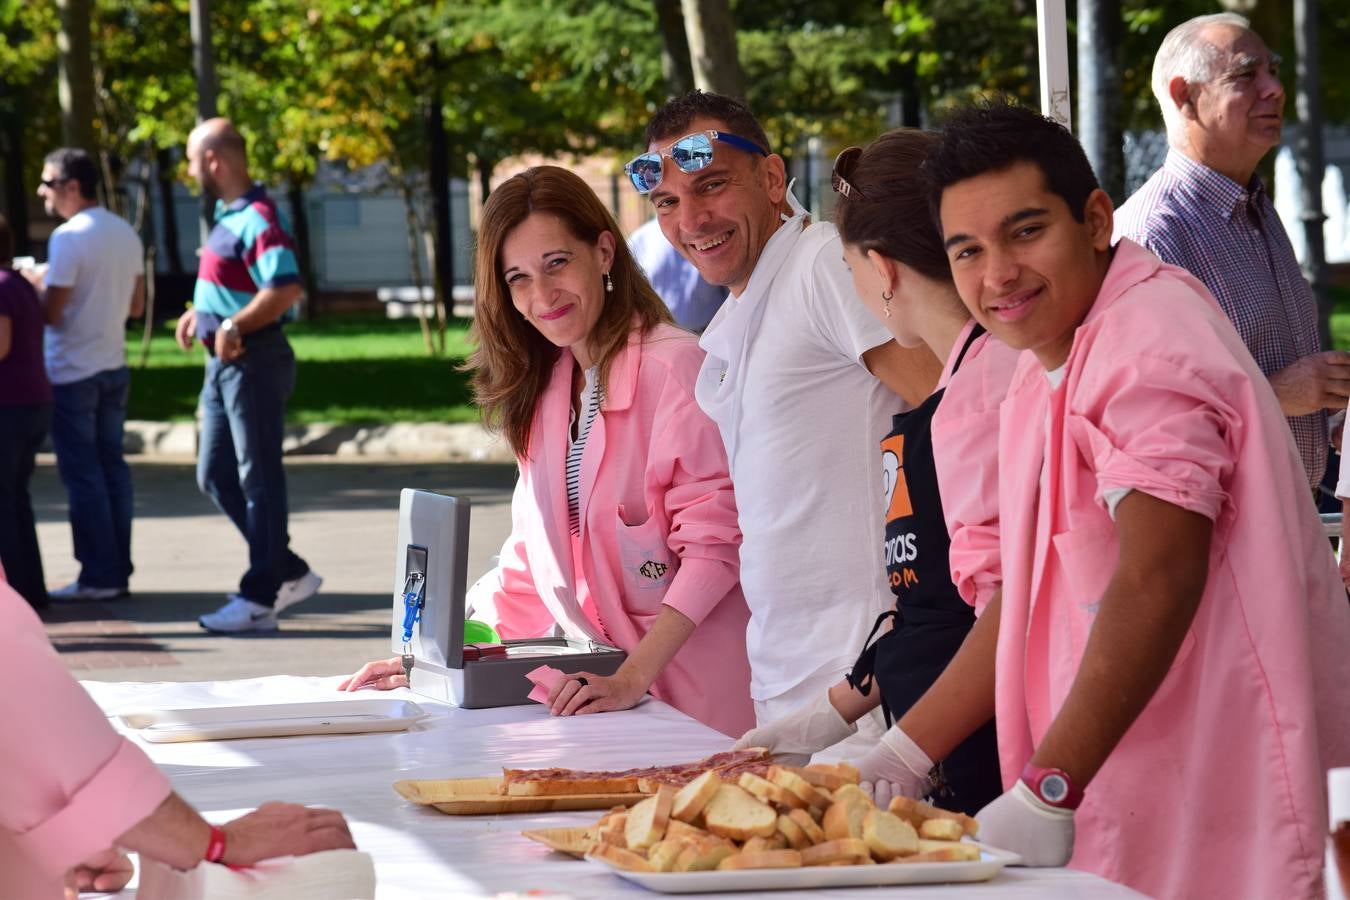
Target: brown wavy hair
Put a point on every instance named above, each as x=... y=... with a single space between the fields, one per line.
x=512 y=361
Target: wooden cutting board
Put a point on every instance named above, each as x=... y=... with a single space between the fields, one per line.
x=482 y=797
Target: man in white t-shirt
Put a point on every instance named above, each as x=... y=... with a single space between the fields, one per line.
x=93 y=280
x=802 y=382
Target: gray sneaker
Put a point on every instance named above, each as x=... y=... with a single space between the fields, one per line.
x=77 y=591
x=240 y=614
x=297 y=589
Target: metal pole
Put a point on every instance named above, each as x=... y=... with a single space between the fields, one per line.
x=1052 y=38
x=1309 y=157
x=1099 y=92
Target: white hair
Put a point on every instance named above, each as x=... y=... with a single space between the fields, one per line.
x=1184 y=54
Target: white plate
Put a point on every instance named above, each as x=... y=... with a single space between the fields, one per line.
x=213 y=723
x=991 y=862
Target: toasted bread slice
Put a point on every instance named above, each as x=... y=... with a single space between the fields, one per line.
x=943 y=851
x=830 y=775
x=621 y=858
x=769 y=792
x=941 y=830
x=662 y=855
x=888 y=836
x=735 y=813
x=762 y=859
x=690 y=799
x=853 y=794
x=683 y=831
x=850 y=851
x=916 y=812
x=756 y=844
x=808 y=793
x=792 y=833
x=700 y=856
x=844 y=819
x=808 y=825
x=552 y=787
x=647 y=820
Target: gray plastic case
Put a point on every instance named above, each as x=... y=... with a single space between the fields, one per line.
x=433 y=535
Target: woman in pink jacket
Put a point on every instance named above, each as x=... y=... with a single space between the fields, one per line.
x=623 y=522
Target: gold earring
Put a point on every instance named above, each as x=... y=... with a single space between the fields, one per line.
x=886 y=298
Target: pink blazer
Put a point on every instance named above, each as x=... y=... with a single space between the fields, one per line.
x=965 y=455
x=1216 y=790
x=69 y=784
x=658 y=527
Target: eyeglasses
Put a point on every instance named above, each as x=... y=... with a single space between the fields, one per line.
x=53 y=182
x=690 y=153
x=843 y=167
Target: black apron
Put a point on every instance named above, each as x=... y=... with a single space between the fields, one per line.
x=930 y=618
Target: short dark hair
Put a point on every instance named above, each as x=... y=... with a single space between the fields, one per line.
x=6 y=242
x=675 y=116
x=74 y=164
x=997 y=134
x=886 y=208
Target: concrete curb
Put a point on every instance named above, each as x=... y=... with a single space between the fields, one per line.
x=464 y=442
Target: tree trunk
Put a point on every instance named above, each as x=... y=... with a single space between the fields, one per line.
x=712 y=47
x=1099 y=93
x=438 y=173
x=295 y=197
x=75 y=74
x=204 y=65
x=484 y=167
x=415 y=258
x=16 y=196
x=675 y=63
x=1310 y=159
x=168 y=212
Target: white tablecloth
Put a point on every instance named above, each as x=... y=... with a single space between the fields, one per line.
x=420 y=852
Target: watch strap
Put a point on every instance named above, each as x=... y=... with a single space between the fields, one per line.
x=1053 y=787
x=215 y=845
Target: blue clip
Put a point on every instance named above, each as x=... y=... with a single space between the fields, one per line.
x=414 y=597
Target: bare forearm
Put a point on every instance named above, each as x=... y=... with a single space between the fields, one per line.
x=962 y=698
x=266 y=307
x=658 y=646
x=1142 y=620
x=851 y=704
x=911 y=372
x=174 y=834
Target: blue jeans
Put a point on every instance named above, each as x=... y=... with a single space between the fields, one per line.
x=87 y=420
x=22 y=429
x=243 y=407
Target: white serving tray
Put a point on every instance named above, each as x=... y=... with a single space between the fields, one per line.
x=214 y=723
x=991 y=862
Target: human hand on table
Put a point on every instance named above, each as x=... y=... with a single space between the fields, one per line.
x=380 y=674
x=895 y=767
x=793 y=738
x=284 y=829
x=598 y=693
x=1019 y=822
x=106 y=872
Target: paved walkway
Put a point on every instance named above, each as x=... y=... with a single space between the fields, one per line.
x=187 y=556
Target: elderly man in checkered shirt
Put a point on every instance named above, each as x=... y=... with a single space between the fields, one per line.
x=1205 y=210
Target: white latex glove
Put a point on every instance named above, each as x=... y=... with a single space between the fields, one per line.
x=793 y=738
x=895 y=767
x=1018 y=821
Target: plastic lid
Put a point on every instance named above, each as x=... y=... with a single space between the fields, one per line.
x=476 y=632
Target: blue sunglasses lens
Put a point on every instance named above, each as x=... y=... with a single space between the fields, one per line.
x=645 y=172
x=692 y=153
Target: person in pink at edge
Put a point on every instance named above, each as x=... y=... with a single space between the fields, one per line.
x=623 y=520
x=940 y=465
x=1169 y=666
x=73 y=788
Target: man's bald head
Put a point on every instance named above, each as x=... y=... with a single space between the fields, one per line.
x=218 y=158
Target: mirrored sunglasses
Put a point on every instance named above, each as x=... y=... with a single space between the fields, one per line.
x=690 y=153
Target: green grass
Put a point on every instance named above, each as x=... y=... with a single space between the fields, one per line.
x=350 y=371
x=1340 y=317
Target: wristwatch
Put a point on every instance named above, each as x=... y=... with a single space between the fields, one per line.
x=1052 y=786
x=231 y=330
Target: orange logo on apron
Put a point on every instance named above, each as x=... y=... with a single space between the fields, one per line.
x=893 y=476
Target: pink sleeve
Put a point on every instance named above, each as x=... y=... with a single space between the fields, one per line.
x=688 y=458
x=509 y=590
x=1153 y=427
x=71 y=784
x=965 y=455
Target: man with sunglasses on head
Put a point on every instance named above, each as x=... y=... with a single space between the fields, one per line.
x=802 y=383
x=93 y=281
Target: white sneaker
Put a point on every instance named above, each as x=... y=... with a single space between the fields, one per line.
x=297 y=589
x=240 y=614
x=77 y=591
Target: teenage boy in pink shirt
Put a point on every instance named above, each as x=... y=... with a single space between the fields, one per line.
x=1168 y=664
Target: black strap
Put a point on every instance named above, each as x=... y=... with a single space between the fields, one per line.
x=974 y=333
x=864 y=670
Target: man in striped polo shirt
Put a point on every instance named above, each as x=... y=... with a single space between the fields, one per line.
x=1206 y=210
x=247 y=285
